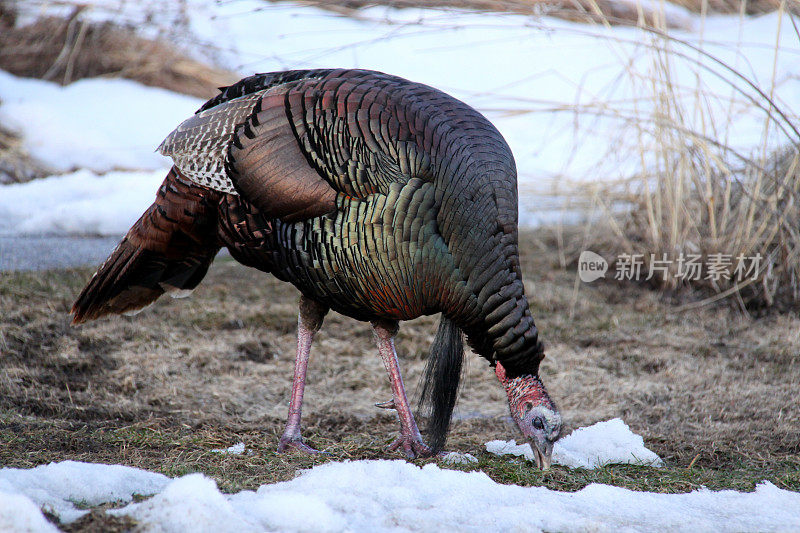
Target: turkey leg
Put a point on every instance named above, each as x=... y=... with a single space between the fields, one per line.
x=410 y=440
x=308 y=323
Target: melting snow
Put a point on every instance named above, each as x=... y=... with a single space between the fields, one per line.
x=604 y=443
x=97 y=124
x=378 y=496
x=19 y=513
x=57 y=487
x=78 y=203
x=189 y=503
x=456 y=458
x=236 y=449
x=563 y=94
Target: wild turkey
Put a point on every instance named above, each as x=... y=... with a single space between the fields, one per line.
x=376 y=197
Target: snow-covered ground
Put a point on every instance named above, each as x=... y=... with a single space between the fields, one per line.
x=577 y=103
x=95 y=124
x=379 y=496
x=392 y=496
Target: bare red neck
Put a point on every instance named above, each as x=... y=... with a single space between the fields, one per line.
x=523 y=389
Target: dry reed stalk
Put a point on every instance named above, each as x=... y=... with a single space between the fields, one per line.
x=16 y=165
x=65 y=50
x=736 y=215
x=577 y=10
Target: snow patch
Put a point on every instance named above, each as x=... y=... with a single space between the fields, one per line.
x=236 y=449
x=78 y=203
x=609 y=442
x=510 y=447
x=456 y=458
x=20 y=514
x=384 y=496
x=190 y=503
x=279 y=511
x=57 y=487
x=603 y=443
x=97 y=124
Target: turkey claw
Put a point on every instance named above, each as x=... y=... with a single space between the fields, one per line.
x=296 y=446
x=411 y=448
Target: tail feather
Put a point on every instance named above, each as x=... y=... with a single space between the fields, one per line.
x=441 y=382
x=168 y=249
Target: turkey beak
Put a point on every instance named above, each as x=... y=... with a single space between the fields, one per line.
x=543 y=454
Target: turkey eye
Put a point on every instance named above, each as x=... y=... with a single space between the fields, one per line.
x=537 y=423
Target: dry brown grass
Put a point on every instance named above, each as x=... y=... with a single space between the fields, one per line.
x=591 y=11
x=66 y=50
x=16 y=165
x=692 y=209
x=750 y=7
x=604 y=11
x=709 y=384
x=697 y=200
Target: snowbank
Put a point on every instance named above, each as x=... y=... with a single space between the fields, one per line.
x=57 y=487
x=603 y=443
x=96 y=124
x=20 y=514
x=81 y=202
x=378 y=496
x=190 y=503
x=530 y=74
x=575 y=102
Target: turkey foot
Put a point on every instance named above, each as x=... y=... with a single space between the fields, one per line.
x=295 y=444
x=411 y=447
x=388 y=404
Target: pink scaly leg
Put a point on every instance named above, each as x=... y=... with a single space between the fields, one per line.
x=308 y=323
x=410 y=440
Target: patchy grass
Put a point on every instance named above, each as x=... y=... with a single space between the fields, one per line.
x=177 y=450
x=713 y=392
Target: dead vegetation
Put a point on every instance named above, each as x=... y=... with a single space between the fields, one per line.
x=750 y=7
x=701 y=219
x=16 y=164
x=595 y=11
x=703 y=232
x=708 y=388
x=68 y=49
